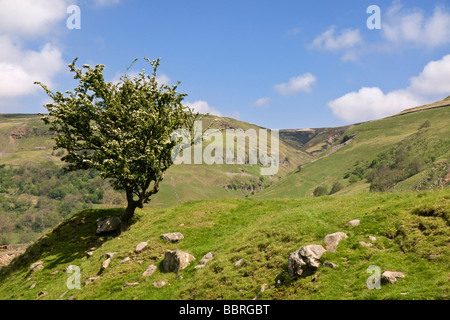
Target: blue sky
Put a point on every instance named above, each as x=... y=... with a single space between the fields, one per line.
x=278 y=64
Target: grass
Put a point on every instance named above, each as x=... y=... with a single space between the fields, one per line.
x=409 y=227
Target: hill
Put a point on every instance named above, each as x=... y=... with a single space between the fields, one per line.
x=251 y=241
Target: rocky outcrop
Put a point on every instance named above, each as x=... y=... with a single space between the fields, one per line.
x=175 y=261
x=332 y=240
x=305 y=260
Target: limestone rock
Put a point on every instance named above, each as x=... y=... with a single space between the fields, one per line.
x=150 y=270
x=108 y=225
x=305 y=260
x=391 y=276
x=354 y=223
x=105 y=264
x=125 y=260
x=330 y=265
x=175 y=261
x=159 y=284
x=172 y=237
x=239 y=262
x=37 y=266
x=332 y=240
x=140 y=247
x=372 y=238
x=207 y=257
x=365 y=244
x=91 y=279
x=129 y=284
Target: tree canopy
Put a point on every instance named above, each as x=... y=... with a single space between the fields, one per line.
x=122 y=130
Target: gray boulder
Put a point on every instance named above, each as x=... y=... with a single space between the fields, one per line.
x=172 y=237
x=149 y=271
x=140 y=247
x=332 y=240
x=108 y=225
x=305 y=260
x=175 y=261
x=354 y=223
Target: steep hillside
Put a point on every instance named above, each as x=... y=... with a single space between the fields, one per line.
x=405 y=152
x=250 y=241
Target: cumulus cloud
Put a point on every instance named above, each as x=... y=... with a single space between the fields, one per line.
x=301 y=83
x=262 y=102
x=202 y=107
x=373 y=103
x=30 y=17
x=19 y=68
x=401 y=26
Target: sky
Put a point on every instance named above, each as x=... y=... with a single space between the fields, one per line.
x=279 y=64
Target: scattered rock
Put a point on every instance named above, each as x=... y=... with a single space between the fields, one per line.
x=305 y=260
x=202 y=263
x=314 y=278
x=332 y=240
x=5 y=259
x=150 y=270
x=41 y=294
x=33 y=285
x=62 y=295
x=159 y=284
x=91 y=279
x=89 y=254
x=433 y=256
x=391 y=276
x=175 y=261
x=54 y=272
x=105 y=264
x=365 y=244
x=179 y=277
x=108 y=225
x=140 y=247
x=239 y=262
x=129 y=284
x=181 y=225
x=37 y=266
x=330 y=265
x=372 y=238
x=109 y=255
x=71 y=298
x=354 y=223
x=263 y=287
x=125 y=260
x=172 y=237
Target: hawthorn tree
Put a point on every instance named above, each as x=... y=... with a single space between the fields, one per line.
x=122 y=130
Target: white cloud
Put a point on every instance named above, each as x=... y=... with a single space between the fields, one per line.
x=30 y=17
x=262 y=102
x=331 y=41
x=203 y=107
x=301 y=83
x=19 y=68
x=373 y=103
x=402 y=26
x=101 y=3
x=434 y=79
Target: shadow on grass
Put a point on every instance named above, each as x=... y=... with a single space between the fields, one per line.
x=68 y=241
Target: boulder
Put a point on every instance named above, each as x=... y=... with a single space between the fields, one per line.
x=140 y=247
x=172 y=237
x=108 y=225
x=175 y=261
x=149 y=271
x=354 y=223
x=37 y=266
x=204 y=260
x=391 y=276
x=305 y=260
x=332 y=240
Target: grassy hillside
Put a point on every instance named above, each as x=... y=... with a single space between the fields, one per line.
x=411 y=230
x=423 y=135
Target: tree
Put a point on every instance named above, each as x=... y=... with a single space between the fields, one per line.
x=320 y=191
x=123 y=130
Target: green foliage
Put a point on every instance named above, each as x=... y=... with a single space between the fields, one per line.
x=320 y=191
x=337 y=186
x=121 y=130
